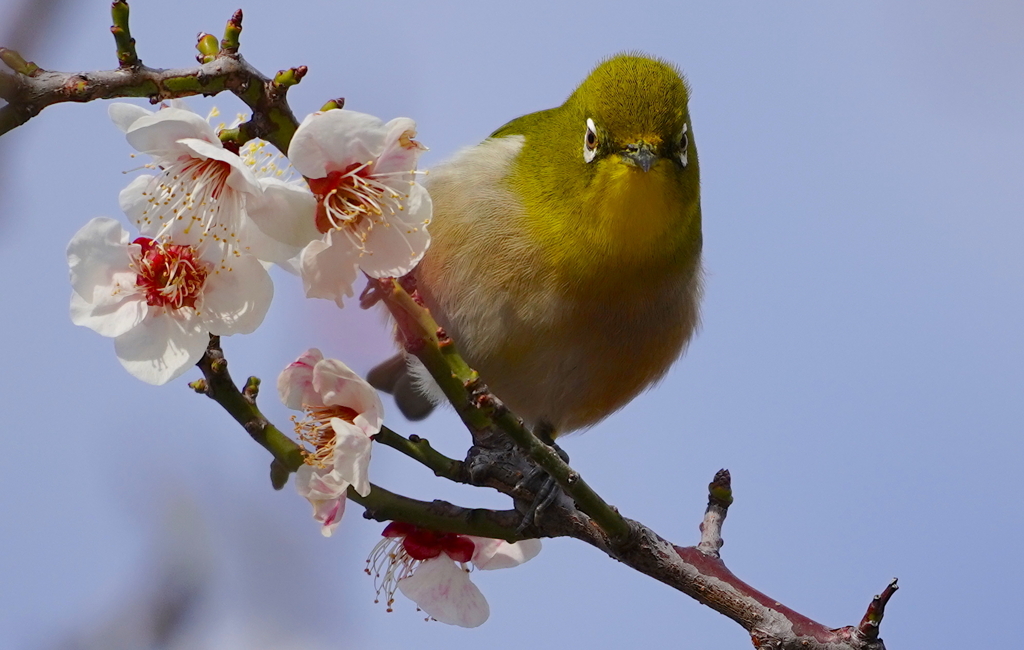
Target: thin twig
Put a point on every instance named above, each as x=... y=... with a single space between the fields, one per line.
x=419 y=449
x=719 y=500
x=380 y=504
x=29 y=89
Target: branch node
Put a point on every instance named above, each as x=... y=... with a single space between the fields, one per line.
x=200 y=386
x=868 y=627
x=333 y=104
x=208 y=47
x=720 y=489
x=229 y=44
x=252 y=389
x=278 y=474
x=16 y=62
x=127 y=57
x=719 y=500
x=291 y=76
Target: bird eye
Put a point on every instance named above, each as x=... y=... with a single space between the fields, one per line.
x=684 y=143
x=590 y=141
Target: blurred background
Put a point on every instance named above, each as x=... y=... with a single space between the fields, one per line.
x=859 y=369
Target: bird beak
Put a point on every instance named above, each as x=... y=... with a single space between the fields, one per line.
x=640 y=154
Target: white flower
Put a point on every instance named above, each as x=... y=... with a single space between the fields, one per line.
x=430 y=568
x=198 y=196
x=343 y=412
x=367 y=210
x=160 y=300
x=281 y=195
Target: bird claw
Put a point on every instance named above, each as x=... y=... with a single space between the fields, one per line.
x=544 y=487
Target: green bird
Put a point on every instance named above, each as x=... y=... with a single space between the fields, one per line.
x=565 y=259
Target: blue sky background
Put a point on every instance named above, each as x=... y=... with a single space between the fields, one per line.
x=859 y=369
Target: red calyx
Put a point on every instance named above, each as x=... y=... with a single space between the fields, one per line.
x=424 y=544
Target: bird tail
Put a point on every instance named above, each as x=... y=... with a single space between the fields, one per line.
x=395 y=376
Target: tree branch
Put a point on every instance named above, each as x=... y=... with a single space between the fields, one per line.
x=697 y=571
x=380 y=504
x=28 y=89
x=419 y=449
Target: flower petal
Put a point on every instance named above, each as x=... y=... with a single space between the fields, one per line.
x=110 y=318
x=352 y=455
x=295 y=383
x=162 y=347
x=158 y=134
x=267 y=249
x=325 y=494
x=135 y=201
x=240 y=178
x=285 y=212
x=338 y=385
x=332 y=140
x=499 y=554
x=125 y=115
x=442 y=589
x=401 y=152
x=98 y=259
x=327 y=270
x=395 y=246
x=236 y=299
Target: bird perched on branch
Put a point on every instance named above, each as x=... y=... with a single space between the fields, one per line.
x=565 y=254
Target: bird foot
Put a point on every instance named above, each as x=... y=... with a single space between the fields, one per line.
x=544 y=487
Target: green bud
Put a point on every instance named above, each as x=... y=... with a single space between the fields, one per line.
x=333 y=104
x=208 y=47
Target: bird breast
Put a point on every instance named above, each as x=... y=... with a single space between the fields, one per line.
x=553 y=348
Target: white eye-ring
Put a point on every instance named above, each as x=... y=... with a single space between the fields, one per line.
x=590 y=141
x=684 y=143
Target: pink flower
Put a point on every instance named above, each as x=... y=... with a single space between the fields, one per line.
x=367 y=212
x=160 y=299
x=430 y=568
x=343 y=412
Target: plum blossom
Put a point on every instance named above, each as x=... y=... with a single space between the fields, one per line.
x=343 y=412
x=281 y=194
x=160 y=299
x=366 y=211
x=198 y=195
x=430 y=568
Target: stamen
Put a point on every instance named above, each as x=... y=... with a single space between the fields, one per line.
x=316 y=431
x=355 y=200
x=169 y=275
x=404 y=548
x=265 y=164
x=191 y=194
x=389 y=563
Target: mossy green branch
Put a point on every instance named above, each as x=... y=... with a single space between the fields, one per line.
x=383 y=505
x=126 y=55
x=219 y=387
x=419 y=449
x=229 y=44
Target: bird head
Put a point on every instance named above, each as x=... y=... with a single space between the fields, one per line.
x=632 y=111
x=614 y=168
